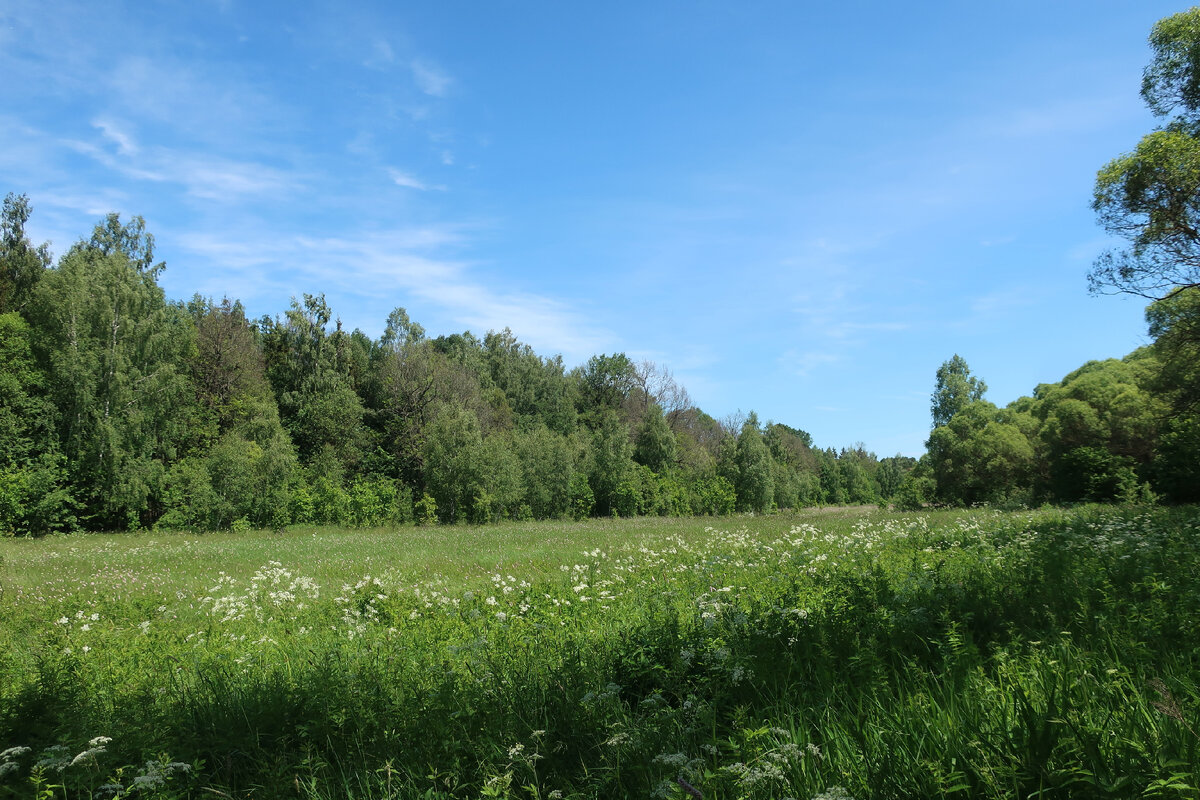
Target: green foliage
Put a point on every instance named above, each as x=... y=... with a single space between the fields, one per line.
x=1177 y=463
x=378 y=501
x=1175 y=325
x=605 y=382
x=21 y=263
x=914 y=493
x=470 y=478
x=955 y=389
x=715 y=496
x=425 y=511
x=115 y=355
x=34 y=494
x=654 y=446
x=1171 y=82
x=981 y=456
x=582 y=500
x=855 y=477
x=310 y=370
x=752 y=460
x=609 y=461
x=1151 y=198
x=1099 y=427
x=330 y=502
x=547 y=465
x=120 y=410
x=537 y=390
x=891 y=474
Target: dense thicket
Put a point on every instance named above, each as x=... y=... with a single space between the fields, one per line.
x=121 y=409
x=1106 y=432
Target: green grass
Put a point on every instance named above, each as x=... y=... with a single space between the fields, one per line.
x=949 y=654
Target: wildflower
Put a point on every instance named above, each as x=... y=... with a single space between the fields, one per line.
x=55 y=757
x=834 y=793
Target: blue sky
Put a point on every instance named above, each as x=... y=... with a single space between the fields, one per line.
x=801 y=209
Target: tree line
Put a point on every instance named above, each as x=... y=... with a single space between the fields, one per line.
x=124 y=410
x=1125 y=429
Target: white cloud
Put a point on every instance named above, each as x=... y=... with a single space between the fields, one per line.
x=93 y=205
x=403 y=261
x=408 y=181
x=112 y=131
x=199 y=100
x=430 y=79
x=205 y=176
x=400 y=267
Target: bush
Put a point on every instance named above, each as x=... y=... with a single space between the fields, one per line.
x=425 y=510
x=913 y=494
x=715 y=496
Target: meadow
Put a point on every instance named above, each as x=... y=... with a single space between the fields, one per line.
x=827 y=654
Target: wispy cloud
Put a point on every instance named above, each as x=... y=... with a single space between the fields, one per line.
x=430 y=79
x=115 y=133
x=382 y=52
x=206 y=176
x=409 y=181
x=93 y=204
x=197 y=99
x=402 y=267
x=407 y=262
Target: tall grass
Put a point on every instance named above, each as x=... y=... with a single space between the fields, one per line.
x=978 y=654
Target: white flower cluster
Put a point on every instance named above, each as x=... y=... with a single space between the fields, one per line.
x=272 y=588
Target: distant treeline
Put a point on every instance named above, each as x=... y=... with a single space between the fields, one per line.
x=120 y=409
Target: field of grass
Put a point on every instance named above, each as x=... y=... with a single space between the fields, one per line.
x=847 y=654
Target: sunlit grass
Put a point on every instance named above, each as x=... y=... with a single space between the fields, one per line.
x=887 y=655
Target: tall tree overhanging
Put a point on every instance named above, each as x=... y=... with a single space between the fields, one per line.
x=1151 y=196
